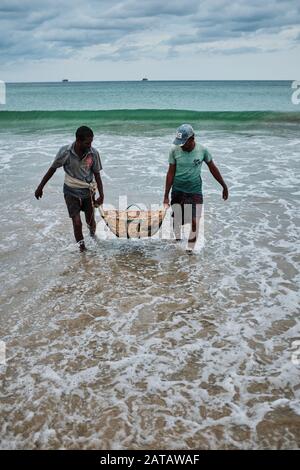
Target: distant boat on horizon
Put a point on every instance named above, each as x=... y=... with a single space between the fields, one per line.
x=65 y=80
x=144 y=79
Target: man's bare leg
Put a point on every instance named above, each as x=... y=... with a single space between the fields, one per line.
x=177 y=221
x=195 y=225
x=193 y=233
x=77 y=227
x=90 y=221
x=177 y=231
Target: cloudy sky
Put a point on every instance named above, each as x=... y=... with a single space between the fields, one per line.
x=47 y=40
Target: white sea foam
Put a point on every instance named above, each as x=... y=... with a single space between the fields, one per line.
x=134 y=344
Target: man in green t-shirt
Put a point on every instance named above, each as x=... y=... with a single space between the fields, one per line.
x=184 y=177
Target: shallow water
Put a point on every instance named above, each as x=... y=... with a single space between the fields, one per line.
x=134 y=344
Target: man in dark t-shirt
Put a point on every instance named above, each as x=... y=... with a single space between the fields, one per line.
x=82 y=165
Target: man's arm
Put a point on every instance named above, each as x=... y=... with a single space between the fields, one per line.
x=100 y=188
x=217 y=175
x=169 y=182
x=39 y=191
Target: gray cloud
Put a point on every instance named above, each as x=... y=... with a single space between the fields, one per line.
x=235 y=51
x=223 y=19
x=153 y=8
x=36 y=29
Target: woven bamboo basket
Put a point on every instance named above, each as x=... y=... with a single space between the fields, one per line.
x=133 y=223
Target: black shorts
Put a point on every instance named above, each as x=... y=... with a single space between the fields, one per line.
x=76 y=204
x=189 y=205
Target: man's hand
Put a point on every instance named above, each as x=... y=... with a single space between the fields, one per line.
x=100 y=200
x=39 y=192
x=166 y=202
x=225 y=193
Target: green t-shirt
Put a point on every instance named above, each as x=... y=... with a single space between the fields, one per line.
x=188 y=168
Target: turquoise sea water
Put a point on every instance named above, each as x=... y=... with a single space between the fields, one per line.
x=142 y=107
x=181 y=95
x=134 y=344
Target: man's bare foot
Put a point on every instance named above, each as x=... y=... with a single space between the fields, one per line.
x=92 y=229
x=191 y=244
x=82 y=246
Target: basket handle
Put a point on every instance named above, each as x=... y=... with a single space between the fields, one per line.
x=136 y=205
